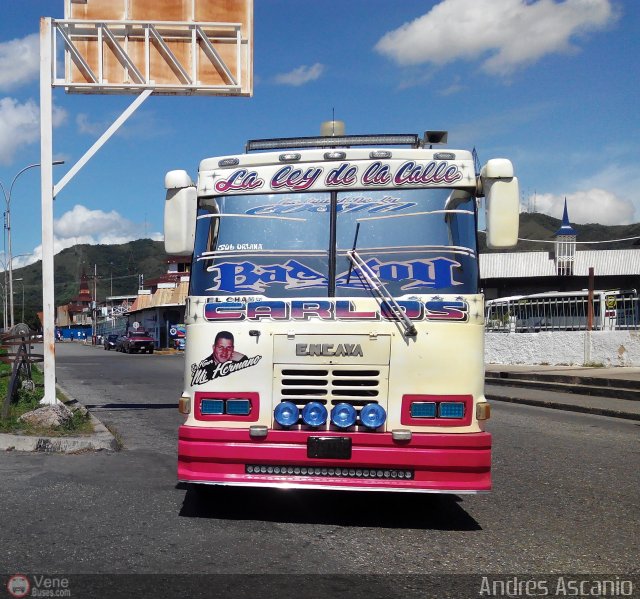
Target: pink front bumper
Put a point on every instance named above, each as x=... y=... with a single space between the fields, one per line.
x=438 y=462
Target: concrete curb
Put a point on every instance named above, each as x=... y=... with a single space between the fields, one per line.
x=100 y=440
x=539 y=403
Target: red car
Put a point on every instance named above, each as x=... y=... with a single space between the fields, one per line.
x=136 y=341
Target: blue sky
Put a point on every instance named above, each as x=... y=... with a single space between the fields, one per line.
x=551 y=85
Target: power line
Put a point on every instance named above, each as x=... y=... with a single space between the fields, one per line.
x=588 y=242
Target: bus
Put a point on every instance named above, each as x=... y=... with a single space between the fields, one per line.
x=334 y=325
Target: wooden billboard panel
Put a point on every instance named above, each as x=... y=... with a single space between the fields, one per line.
x=171 y=46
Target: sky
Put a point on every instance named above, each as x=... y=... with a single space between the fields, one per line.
x=550 y=84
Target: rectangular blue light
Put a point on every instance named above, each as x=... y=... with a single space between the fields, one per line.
x=451 y=409
x=238 y=407
x=423 y=409
x=212 y=406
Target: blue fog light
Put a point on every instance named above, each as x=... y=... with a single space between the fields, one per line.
x=286 y=413
x=238 y=407
x=423 y=409
x=343 y=415
x=314 y=414
x=212 y=406
x=451 y=409
x=372 y=415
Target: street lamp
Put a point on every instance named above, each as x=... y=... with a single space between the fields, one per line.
x=7 y=226
x=5 y=295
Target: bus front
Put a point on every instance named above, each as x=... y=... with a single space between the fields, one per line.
x=334 y=323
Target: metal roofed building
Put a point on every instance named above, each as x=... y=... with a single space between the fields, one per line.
x=563 y=268
x=521 y=273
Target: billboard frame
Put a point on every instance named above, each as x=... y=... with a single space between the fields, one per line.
x=114 y=37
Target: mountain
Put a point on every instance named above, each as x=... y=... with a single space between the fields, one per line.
x=117 y=266
x=536 y=226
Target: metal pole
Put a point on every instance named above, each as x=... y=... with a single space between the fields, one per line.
x=590 y=300
x=10 y=261
x=46 y=175
x=4 y=255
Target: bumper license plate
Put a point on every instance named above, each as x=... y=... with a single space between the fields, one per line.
x=335 y=448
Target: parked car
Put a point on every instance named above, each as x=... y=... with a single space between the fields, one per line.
x=135 y=341
x=109 y=341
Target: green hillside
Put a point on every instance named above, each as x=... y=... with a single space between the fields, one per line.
x=544 y=227
x=117 y=266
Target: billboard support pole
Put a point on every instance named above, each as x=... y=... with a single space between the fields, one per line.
x=46 y=179
x=102 y=140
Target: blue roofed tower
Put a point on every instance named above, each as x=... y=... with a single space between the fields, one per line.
x=565 y=245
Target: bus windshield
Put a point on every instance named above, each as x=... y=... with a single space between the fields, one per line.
x=286 y=245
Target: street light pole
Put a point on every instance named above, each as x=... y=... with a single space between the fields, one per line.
x=7 y=224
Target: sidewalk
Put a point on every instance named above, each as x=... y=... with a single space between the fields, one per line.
x=603 y=391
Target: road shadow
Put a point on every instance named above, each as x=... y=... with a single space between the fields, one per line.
x=377 y=509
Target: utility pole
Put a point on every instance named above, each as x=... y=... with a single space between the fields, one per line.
x=94 y=307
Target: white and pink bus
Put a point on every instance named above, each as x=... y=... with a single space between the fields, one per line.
x=334 y=323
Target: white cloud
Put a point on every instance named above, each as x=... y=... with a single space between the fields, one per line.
x=81 y=225
x=588 y=206
x=507 y=34
x=20 y=125
x=19 y=61
x=301 y=75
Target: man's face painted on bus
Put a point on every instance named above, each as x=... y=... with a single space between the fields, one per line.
x=223 y=350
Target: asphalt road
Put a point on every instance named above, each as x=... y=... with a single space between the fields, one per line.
x=565 y=500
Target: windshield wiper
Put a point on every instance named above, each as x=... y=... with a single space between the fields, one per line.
x=379 y=290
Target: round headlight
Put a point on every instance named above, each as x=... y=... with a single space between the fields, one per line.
x=372 y=415
x=314 y=414
x=286 y=413
x=343 y=415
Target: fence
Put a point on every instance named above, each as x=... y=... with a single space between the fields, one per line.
x=563 y=311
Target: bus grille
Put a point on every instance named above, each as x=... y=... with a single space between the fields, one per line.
x=331 y=385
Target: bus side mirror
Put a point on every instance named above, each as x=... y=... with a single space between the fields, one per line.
x=502 y=194
x=180 y=210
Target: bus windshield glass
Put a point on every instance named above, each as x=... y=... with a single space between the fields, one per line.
x=417 y=241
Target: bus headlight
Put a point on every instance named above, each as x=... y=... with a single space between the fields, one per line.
x=372 y=415
x=344 y=415
x=314 y=414
x=286 y=414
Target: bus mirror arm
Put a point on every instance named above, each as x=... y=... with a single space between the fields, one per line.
x=380 y=292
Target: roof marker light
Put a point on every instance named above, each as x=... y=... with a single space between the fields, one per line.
x=335 y=155
x=229 y=162
x=380 y=154
x=444 y=156
x=290 y=157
